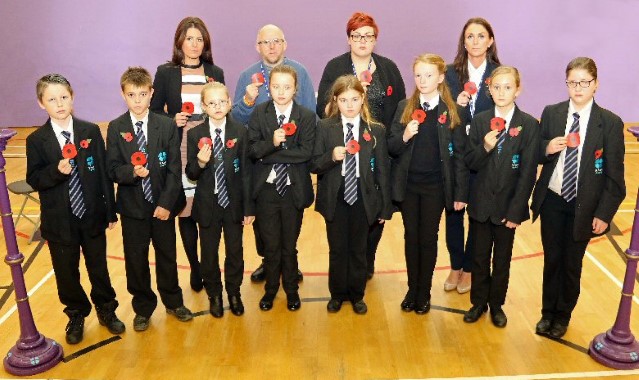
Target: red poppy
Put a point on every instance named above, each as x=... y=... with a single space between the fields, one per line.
x=366 y=76
x=367 y=136
x=69 y=151
x=442 y=118
x=204 y=141
x=513 y=132
x=419 y=115
x=289 y=129
x=573 y=140
x=470 y=88
x=128 y=137
x=188 y=107
x=84 y=144
x=497 y=124
x=230 y=143
x=138 y=158
x=487 y=81
x=352 y=147
x=598 y=153
x=389 y=91
x=257 y=78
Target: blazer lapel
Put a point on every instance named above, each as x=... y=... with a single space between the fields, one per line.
x=366 y=149
x=295 y=117
x=52 y=145
x=152 y=138
x=80 y=133
x=593 y=135
x=230 y=133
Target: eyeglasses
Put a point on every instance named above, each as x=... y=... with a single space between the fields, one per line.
x=274 y=41
x=366 y=37
x=582 y=83
x=214 y=104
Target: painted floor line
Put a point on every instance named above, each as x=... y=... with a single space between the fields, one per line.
x=30 y=293
x=607 y=273
x=569 y=375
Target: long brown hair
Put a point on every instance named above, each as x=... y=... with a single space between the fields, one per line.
x=180 y=36
x=340 y=86
x=460 y=64
x=444 y=92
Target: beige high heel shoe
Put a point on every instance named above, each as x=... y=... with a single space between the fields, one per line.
x=464 y=283
x=452 y=280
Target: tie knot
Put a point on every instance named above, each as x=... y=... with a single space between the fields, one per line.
x=349 y=126
x=66 y=135
x=281 y=119
x=218 y=131
x=139 y=124
x=576 y=115
x=426 y=106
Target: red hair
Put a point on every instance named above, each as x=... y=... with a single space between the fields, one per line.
x=360 y=19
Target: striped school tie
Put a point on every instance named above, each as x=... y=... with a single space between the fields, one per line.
x=220 y=178
x=425 y=106
x=569 y=184
x=281 y=172
x=350 y=173
x=76 y=198
x=500 y=141
x=146 y=181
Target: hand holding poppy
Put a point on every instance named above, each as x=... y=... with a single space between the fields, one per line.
x=339 y=153
x=412 y=128
x=470 y=88
x=69 y=151
x=257 y=79
x=279 y=136
x=188 y=107
x=289 y=129
x=418 y=115
x=497 y=124
x=352 y=147
x=138 y=158
x=140 y=171
x=204 y=141
x=573 y=140
x=556 y=145
x=204 y=155
x=490 y=140
x=64 y=166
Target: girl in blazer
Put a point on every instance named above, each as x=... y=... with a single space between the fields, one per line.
x=579 y=190
x=475 y=60
x=281 y=135
x=217 y=160
x=428 y=173
x=353 y=189
x=503 y=151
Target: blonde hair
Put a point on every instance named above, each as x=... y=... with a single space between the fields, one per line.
x=444 y=92
x=502 y=70
x=213 y=86
x=340 y=86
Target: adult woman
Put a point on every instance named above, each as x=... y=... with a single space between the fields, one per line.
x=381 y=79
x=177 y=86
x=475 y=60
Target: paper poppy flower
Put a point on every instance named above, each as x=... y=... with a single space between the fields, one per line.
x=230 y=143
x=389 y=91
x=352 y=147
x=573 y=140
x=128 y=136
x=497 y=124
x=204 y=141
x=257 y=78
x=188 y=107
x=513 y=132
x=418 y=115
x=138 y=158
x=366 y=76
x=470 y=88
x=69 y=151
x=598 y=153
x=442 y=118
x=487 y=81
x=367 y=135
x=85 y=143
x=289 y=129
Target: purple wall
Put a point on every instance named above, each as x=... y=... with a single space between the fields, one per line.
x=93 y=42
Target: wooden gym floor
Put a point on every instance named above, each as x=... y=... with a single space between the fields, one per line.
x=386 y=343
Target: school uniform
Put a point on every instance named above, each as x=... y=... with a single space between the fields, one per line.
x=428 y=175
x=347 y=224
x=136 y=208
x=221 y=205
x=505 y=179
x=280 y=208
x=566 y=226
x=68 y=228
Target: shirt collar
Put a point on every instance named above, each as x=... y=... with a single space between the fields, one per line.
x=472 y=70
x=356 y=120
x=508 y=117
x=212 y=127
x=57 y=129
x=145 y=119
x=584 y=111
x=287 y=112
x=432 y=104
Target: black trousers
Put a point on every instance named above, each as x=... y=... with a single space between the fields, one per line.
x=234 y=260
x=189 y=235
x=281 y=223
x=421 y=212
x=496 y=241
x=563 y=258
x=460 y=257
x=374 y=237
x=136 y=235
x=347 y=235
x=65 y=257
x=259 y=242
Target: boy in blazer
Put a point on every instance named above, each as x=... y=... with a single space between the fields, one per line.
x=579 y=190
x=216 y=159
x=77 y=205
x=143 y=155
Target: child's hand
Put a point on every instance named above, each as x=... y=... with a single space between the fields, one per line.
x=463 y=98
x=510 y=224
x=204 y=155
x=459 y=205
x=112 y=225
x=490 y=140
x=278 y=136
x=248 y=220
x=339 y=153
x=64 y=166
x=181 y=118
x=412 y=128
x=556 y=145
x=598 y=226
x=140 y=171
x=161 y=213
x=381 y=221
x=252 y=90
x=365 y=85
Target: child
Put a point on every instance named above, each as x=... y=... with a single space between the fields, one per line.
x=581 y=140
x=77 y=205
x=353 y=189
x=143 y=154
x=222 y=197
x=428 y=172
x=503 y=150
x=282 y=185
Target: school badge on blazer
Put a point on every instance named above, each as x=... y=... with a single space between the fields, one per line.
x=515 y=161
x=90 y=163
x=599 y=161
x=162 y=158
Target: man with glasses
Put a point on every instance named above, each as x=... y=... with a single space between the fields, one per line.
x=252 y=89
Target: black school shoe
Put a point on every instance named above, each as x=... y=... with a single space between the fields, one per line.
x=110 y=320
x=75 y=329
x=181 y=313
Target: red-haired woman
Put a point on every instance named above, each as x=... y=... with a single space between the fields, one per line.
x=381 y=79
x=176 y=93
